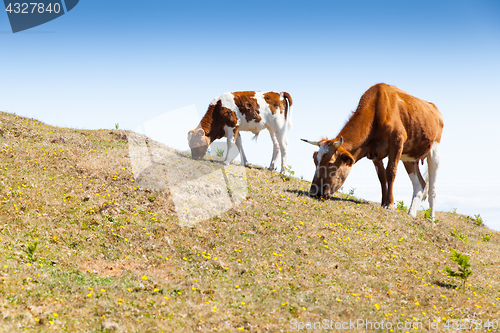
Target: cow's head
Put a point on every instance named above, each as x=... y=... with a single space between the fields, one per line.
x=333 y=164
x=198 y=143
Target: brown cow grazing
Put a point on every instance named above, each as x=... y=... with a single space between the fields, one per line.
x=233 y=112
x=388 y=122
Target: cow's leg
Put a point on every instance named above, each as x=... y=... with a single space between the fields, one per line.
x=433 y=159
x=420 y=178
x=424 y=185
x=283 y=142
x=231 y=137
x=276 y=149
x=395 y=150
x=418 y=189
x=379 y=167
x=240 y=148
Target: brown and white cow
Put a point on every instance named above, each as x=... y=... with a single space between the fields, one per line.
x=388 y=122
x=251 y=111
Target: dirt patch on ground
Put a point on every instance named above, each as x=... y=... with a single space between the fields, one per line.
x=105 y=268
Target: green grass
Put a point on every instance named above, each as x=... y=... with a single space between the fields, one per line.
x=463 y=270
x=111 y=256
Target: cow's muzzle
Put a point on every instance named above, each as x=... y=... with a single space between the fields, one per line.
x=198 y=153
x=321 y=190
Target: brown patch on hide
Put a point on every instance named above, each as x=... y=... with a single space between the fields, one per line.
x=273 y=100
x=221 y=117
x=247 y=104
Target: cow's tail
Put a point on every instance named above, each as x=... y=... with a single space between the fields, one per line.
x=288 y=108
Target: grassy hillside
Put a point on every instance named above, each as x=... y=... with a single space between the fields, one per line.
x=85 y=247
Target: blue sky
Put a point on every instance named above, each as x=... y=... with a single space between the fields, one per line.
x=127 y=62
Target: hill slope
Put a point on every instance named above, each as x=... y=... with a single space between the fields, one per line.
x=87 y=247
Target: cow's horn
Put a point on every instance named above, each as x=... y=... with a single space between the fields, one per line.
x=339 y=143
x=316 y=143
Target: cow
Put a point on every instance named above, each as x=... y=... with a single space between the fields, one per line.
x=233 y=112
x=388 y=122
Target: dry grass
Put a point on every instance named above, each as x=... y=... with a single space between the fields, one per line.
x=111 y=256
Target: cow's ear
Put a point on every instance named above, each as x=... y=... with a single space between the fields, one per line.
x=200 y=132
x=347 y=159
x=190 y=134
x=314 y=157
